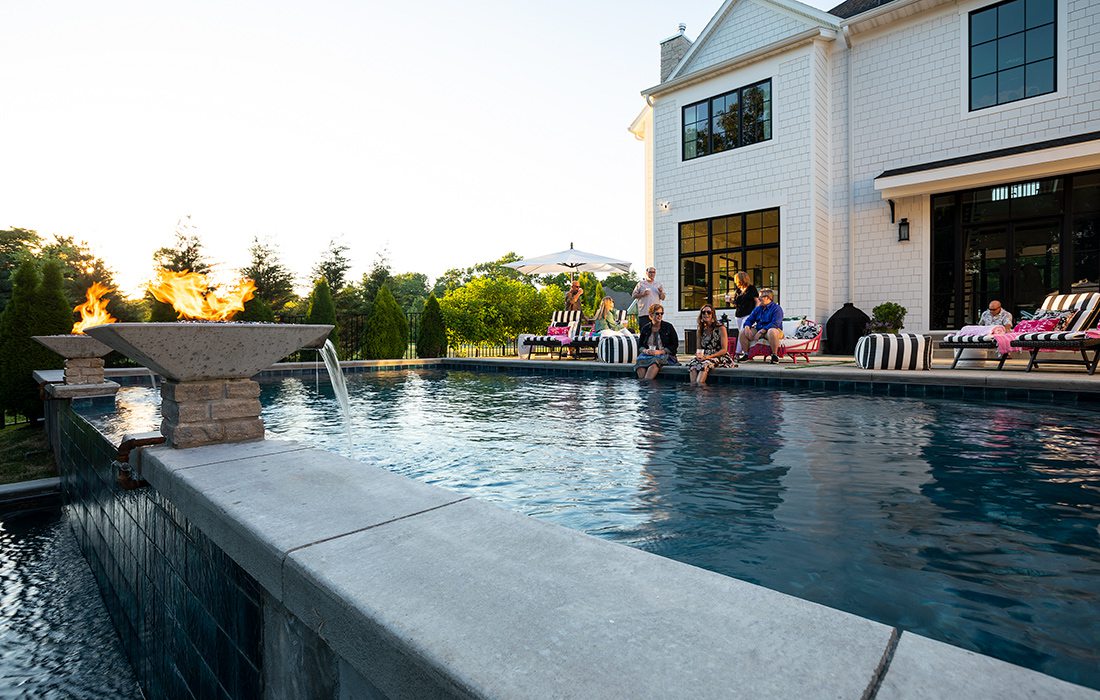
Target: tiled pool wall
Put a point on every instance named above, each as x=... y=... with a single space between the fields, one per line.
x=885 y=383
x=189 y=618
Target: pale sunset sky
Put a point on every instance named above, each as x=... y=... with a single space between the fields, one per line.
x=445 y=133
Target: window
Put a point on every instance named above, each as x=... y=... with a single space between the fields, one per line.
x=712 y=251
x=737 y=118
x=1011 y=52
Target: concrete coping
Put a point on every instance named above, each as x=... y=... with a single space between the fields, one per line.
x=425 y=592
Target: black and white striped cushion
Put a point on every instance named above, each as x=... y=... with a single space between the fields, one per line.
x=969 y=339
x=1055 y=336
x=1088 y=302
x=894 y=351
x=617 y=349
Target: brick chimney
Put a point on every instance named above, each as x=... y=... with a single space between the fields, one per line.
x=672 y=50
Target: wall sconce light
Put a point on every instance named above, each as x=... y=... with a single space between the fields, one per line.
x=664 y=206
x=903 y=230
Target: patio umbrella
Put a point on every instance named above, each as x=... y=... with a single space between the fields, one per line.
x=571 y=261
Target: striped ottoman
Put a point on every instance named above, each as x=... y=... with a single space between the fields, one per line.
x=894 y=351
x=617 y=349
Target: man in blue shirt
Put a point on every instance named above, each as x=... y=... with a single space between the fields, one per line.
x=765 y=321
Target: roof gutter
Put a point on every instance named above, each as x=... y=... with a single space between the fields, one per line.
x=739 y=61
x=882 y=11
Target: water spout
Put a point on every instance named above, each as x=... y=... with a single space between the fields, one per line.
x=339 y=386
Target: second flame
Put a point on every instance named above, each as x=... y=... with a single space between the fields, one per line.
x=191 y=296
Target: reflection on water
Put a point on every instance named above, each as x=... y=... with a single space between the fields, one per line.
x=56 y=640
x=971 y=523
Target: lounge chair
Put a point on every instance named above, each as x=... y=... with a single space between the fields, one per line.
x=790 y=346
x=550 y=343
x=1088 y=304
x=1076 y=338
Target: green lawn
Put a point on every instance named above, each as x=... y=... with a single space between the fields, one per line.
x=24 y=454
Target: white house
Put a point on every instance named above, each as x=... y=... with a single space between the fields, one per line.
x=935 y=153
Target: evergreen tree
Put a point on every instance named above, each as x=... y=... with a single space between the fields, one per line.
x=321 y=307
x=433 y=331
x=16 y=245
x=387 y=329
x=274 y=282
x=55 y=313
x=186 y=255
x=589 y=301
x=333 y=266
x=20 y=354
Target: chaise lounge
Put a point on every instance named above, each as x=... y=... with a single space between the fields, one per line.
x=1082 y=335
x=1072 y=338
x=569 y=320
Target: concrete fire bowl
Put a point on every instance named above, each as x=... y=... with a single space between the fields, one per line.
x=187 y=352
x=74 y=346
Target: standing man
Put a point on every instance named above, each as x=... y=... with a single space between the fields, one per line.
x=573 y=297
x=996 y=316
x=648 y=292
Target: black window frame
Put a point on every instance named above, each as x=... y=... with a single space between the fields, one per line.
x=708 y=103
x=710 y=253
x=995 y=41
x=948 y=288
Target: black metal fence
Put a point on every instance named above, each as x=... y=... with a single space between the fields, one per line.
x=8 y=419
x=351 y=336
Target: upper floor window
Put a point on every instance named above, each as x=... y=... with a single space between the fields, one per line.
x=1011 y=52
x=730 y=120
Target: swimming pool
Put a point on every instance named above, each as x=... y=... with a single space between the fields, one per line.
x=972 y=523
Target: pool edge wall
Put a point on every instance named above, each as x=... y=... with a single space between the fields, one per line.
x=327 y=577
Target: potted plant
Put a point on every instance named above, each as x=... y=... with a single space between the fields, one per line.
x=887 y=317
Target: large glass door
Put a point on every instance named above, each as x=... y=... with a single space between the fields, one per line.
x=1017 y=263
x=1036 y=264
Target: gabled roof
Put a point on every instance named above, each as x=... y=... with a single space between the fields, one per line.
x=850 y=8
x=803 y=11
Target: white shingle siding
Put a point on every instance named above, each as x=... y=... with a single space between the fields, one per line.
x=747 y=25
x=908 y=106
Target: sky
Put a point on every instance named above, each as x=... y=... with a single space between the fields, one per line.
x=439 y=134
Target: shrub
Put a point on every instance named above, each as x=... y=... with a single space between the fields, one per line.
x=495 y=310
x=256 y=309
x=887 y=317
x=387 y=329
x=322 y=309
x=433 y=331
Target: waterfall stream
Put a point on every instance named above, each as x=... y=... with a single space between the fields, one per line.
x=339 y=386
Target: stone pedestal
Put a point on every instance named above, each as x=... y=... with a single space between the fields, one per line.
x=84 y=370
x=207 y=412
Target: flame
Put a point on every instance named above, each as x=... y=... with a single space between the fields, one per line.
x=93 y=312
x=191 y=296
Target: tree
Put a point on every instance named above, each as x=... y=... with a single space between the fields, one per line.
x=333 y=266
x=53 y=307
x=589 y=301
x=410 y=289
x=432 y=341
x=321 y=307
x=387 y=329
x=274 y=282
x=16 y=245
x=373 y=281
x=495 y=269
x=495 y=310
x=20 y=354
x=621 y=281
x=80 y=268
x=187 y=255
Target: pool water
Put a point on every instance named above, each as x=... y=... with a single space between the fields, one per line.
x=972 y=523
x=56 y=639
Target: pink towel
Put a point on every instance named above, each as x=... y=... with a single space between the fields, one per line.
x=997 y=334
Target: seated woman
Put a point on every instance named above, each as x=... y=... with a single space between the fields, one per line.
x=605 y=318
x=657 y=346
x=713 y=347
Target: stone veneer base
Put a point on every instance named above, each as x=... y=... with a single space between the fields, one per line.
x=210 y=412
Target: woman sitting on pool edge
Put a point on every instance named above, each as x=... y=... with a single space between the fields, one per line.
x=713 y=347
x=657 y=346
